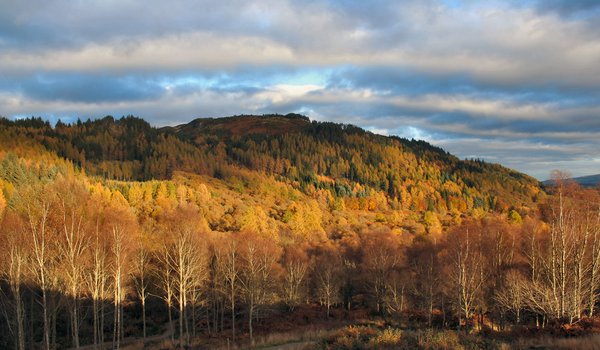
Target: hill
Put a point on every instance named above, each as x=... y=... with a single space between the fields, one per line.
x=344 y=160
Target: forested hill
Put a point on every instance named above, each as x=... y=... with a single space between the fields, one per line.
x=348 y=162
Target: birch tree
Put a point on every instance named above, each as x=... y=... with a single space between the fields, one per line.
x=74 y=244
x=38 y=207
x=257 y=275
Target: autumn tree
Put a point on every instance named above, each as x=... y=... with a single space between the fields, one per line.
x=382 y=256
x=188 y=261
x=37 y=204
x=426 y=273
x=257 y=274
x=295 y=266
x=230 y=261
x=512 y=295
x=141 y=277
x=14 y=272
x=327 y=273
x=72 y=200
x=465 y=269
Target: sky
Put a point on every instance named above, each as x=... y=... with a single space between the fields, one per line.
x=510 y=82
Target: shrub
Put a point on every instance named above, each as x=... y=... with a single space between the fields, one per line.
x=351 y=338
x=391 y=338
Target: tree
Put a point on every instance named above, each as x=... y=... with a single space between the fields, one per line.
x=166 y=282
x=381 y=258
x=14 y=271
x=327 y=270
x=231 y=272
x=97 y=282
x=72 y=200
x=512 y=295
x=259 y=257
x=189 y=263
x=120 y=260
x=466 y=269
x=141 y=278
x=183 y=262
x=37 y=204
x=103 y=214
x=426 y=274
x=295 y=265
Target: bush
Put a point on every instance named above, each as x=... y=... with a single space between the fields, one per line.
x=351 y=338
x=389 y=338
x=367 y=338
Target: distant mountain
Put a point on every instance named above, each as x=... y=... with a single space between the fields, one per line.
x=585 y=181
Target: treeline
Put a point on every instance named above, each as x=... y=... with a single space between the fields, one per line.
x=87 y=261
x=342 y=159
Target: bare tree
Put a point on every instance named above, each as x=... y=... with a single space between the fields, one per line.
x=426 y=277
x=295 y=264
x=382 y=257
x=166 y=283
x=396 y=287
x=72 y=252
x=141 y=280
x=328 y=277
x=257 y=275
x=188 y=261
x=120 y=259
x=97 y=283
x=231 y=272
x=14 y=273
x=512 y=295
x=594 y=268
x=37 y=214
x=466 y=272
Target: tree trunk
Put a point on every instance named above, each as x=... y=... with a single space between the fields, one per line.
x=144 y=319
x=171 y=327
x=46 y=321
x=250 y=316
x=181 y=336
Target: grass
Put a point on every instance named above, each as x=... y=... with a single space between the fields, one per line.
x=589 y=342
x=301 y=337
x=370 y=338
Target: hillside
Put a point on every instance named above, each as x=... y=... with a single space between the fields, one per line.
x=311 y=156
x=243 y=125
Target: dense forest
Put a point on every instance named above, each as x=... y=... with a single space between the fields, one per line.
x=219 y=230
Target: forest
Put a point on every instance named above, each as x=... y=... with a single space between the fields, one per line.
x=216 y=233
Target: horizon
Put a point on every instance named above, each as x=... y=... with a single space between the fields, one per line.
x=512 y=83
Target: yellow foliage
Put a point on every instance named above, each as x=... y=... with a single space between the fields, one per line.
x=256 y=220
x=2 y=203
x=432 y=223
x=306 y=221
x=514 y=217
